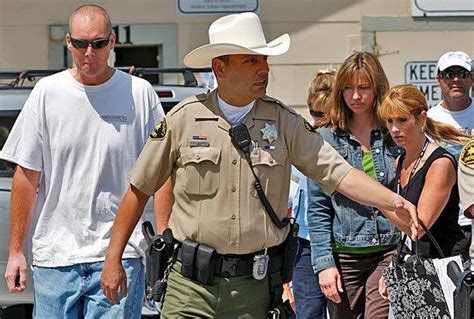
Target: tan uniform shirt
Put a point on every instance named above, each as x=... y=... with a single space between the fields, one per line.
x=466 y=184
x=215 y=199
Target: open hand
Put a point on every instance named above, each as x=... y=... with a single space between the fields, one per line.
x=331 y=284
x=113 y=278
x=288 y=295
x=406 y=211
x=383 y=288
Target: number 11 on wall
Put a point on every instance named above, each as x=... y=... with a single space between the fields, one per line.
x=126 y=28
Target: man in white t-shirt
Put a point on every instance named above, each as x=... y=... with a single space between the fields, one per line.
x=76 y=138
x=457 y=107
x=455 y=81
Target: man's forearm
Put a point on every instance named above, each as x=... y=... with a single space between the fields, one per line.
x=128 y=215
x=162 y=204
x=362 y=188
x=23 y=200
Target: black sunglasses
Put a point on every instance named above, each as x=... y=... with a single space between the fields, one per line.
x=449 y=75
x=95 y=44
x=316 y=113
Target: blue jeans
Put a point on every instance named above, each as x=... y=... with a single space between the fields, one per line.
x=74 y=292
x=310 y=301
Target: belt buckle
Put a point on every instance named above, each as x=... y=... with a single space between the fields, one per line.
x=229 y=266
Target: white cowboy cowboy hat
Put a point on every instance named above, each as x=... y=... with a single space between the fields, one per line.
x=236 y=34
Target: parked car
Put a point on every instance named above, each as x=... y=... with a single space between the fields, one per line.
x=172 y=86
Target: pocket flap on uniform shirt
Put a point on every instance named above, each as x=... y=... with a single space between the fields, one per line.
x=268 y=158
x=200 y=154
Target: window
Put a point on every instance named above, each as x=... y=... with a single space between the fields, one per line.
x=7 y=118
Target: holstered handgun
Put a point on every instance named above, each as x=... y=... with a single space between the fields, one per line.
x=159 y=254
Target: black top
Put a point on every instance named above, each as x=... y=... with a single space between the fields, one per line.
x=445 y=229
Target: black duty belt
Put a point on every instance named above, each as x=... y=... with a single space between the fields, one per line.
x=233 y=265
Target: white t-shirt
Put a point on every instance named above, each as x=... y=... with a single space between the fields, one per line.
x=461 y=120
x=234 y=114
x=84 y=140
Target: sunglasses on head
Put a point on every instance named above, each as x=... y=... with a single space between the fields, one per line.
x=449 y=75
x=95 y=44
x=316 y=113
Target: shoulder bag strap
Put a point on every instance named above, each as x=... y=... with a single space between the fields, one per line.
x=432 y=240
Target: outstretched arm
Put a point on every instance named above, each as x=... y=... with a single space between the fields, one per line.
x=361 y=188
x=23 y=200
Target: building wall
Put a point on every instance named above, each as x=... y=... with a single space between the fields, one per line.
x=323 y=33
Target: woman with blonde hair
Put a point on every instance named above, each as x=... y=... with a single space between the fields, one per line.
x=426 y=172
x=352 y=243
x=319 y=93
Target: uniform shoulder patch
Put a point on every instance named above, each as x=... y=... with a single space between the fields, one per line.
x=159 y=132
x=309 y=128
x=467 y=154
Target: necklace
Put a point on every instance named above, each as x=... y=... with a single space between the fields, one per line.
x=415 y=166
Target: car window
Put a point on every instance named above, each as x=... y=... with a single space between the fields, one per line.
x=6 y=123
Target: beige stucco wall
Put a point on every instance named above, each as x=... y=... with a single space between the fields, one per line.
x=323 y=33
x=424 y=45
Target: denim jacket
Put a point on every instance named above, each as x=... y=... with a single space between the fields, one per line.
x=338 y=219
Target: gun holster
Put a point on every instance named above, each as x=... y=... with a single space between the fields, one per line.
x=159 y=255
